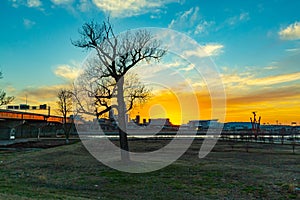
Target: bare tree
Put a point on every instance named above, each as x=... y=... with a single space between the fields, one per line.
x=116 y=55
x=4 y=100
x=103 y=91
x=65 y=107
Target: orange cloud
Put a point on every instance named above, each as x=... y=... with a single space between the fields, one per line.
x=272 y=104
x=41 y=95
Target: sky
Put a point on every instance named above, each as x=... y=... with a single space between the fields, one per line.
x=254 y=45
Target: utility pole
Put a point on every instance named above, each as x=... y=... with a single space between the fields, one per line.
x=49 y=111
x=255 y=124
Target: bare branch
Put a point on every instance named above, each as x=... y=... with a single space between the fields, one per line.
x=4 y=100
x=106 y=76
x=64 y=103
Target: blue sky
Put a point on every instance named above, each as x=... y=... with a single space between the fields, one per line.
x=255 y=45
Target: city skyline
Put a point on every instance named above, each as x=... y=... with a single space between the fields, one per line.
x=254 y=45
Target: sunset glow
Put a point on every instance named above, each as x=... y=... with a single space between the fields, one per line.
x=254 y=46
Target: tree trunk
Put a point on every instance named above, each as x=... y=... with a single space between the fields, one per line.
x=66 y=129
x=122 y=121
x=67 y=132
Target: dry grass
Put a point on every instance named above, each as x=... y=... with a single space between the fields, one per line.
x=229 y=172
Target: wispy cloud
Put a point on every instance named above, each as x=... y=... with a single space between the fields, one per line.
x=191 y=22
x=242 y=80
x=40 y=95
x=188 y=68
x=205 y=50
x=245 y=93
x=28 y=3
x=15 y=3
x=157 y=13
x=149 y=71
x=34 y=3
x=270 y=67
x=277 y=79
x=59 y=2
x=186 y=18
x=84 y=5
x=291 y=32
x=293 y=50
x=129 y=8
x=242 y=17
x=10 y=89
x=28 y=23
x=262 y=95
x=67 y=72
x=213 y=49
x=36 y=95
x=203 y=26
x=114 y=8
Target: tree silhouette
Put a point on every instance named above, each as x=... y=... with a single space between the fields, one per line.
x=115 y=56
x=64 y=107
x=4 y=100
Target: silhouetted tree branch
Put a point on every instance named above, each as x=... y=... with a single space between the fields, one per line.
x=65 y=107
x=105 y=77
x=4 y=100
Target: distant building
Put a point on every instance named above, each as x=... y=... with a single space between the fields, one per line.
x=202 y=124
x=237 y=126
x=279 y=129
x=108 y=124
x=156 y=123
x=137 y=119
x=264 y=129
x=163 y=123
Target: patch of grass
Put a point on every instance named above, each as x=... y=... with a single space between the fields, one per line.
x=70 y=172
